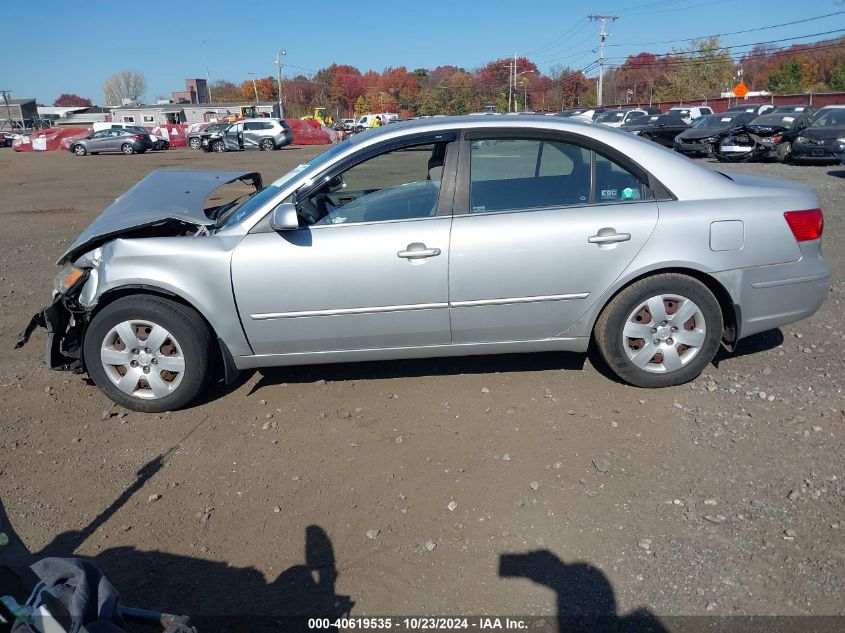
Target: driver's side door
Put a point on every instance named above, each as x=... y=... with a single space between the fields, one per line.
x=357 y=284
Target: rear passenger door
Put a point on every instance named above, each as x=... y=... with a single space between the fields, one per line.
x=543 y=226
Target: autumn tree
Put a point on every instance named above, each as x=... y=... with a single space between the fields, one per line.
x=67 y=100
x=788 y=78
x=127 y=84
x=697 y=72
x=224 y=91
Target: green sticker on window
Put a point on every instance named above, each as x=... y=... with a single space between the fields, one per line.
x=630 y=194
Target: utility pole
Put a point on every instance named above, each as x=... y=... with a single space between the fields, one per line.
x=602 y=37
x=510 y=81
x=207 y=80
x=254 y=88
x=5 y=95
x=282 y=52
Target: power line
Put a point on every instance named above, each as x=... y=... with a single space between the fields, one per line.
x=759 y=28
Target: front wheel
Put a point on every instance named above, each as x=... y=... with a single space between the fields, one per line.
x=785 y=152
x=149 y=354
x=194 y=143
x=79 y=150
x=660 y=331
x=127 y=148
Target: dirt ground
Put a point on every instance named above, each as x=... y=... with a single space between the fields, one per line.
x=322 y=489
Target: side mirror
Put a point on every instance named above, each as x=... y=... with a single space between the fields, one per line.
x=284 y=218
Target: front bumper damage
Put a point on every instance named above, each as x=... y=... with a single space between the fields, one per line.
x=65 y=321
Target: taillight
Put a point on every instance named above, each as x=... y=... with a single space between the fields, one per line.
x=140 y=137
x=805 y=225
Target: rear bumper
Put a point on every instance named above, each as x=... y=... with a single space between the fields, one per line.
x=771 y=296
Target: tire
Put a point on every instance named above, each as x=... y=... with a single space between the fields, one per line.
x=785 y=152
x=218 y=146
x=127 y=148
x=624 y=338
x=267 y=145
x=186 y=347
x=194 y=143
x=79 y=150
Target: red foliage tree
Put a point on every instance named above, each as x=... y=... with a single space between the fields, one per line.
x=69 y=100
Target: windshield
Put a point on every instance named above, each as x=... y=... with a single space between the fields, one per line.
x=714 y=121
x=610 y=117
x=256 y=201
x=782 y=120
x=831 y=118
x=681 y=113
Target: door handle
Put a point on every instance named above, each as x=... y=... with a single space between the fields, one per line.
x=418 y=250
x=608 y=238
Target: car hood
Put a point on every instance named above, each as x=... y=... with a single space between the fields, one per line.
x=164 y=196
x=824 y=132
x=693 y=133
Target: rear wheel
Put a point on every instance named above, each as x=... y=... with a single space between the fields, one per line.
x=149 y=354
x=194 y=143
x=267 y=145
x=660 y=331
x=785 y=152
x=79 y=150
x=127 y=148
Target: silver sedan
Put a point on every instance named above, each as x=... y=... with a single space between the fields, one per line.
x=438 y=237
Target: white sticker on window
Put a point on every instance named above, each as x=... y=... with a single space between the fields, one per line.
x=726 y=119
x=789 y=119
x=609 y=194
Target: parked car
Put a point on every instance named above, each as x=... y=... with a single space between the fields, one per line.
x=767 y=137
x=375 y=250
x=590 y=113
x=699 y=138
x=786 y=109
x=618 y=118
x=691 y=113
x=345 y=125
x=839 y=150
x=753 y=108
x=156 y=142
x=264 y=134
x=661 y=128
x=193 y=137
x=816 y=143
x=7 y=138
x=118 y=140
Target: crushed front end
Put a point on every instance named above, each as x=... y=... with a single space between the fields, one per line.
x=65 y=320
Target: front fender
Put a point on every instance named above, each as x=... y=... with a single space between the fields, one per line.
x=195 y=269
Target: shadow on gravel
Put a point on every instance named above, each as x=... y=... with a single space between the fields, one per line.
x=421 y=367
x=840 y=173
x=216 y=595
x=585 y=598
x=762 y=342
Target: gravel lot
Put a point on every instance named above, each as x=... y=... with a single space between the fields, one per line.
x=408 y=487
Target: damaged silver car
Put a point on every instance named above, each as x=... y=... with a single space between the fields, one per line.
x=448 y=237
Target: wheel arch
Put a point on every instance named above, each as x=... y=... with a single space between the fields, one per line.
x=110 y=296
x=730 y=311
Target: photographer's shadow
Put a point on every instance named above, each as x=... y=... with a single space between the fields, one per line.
x=585 y=598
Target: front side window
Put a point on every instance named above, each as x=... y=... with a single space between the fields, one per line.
x=403 y=184
x=521 y=173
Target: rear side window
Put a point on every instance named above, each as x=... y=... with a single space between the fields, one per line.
x=522 y=174
x=614 y=183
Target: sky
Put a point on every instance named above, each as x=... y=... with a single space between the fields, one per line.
x=71 y=51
